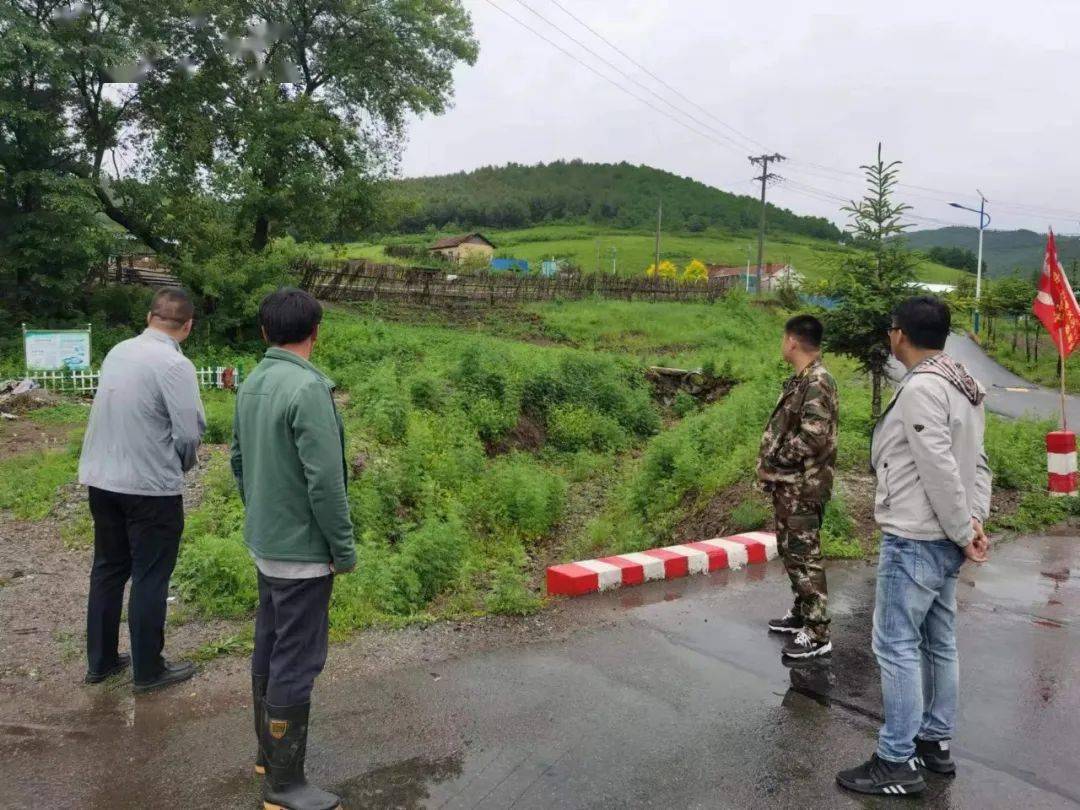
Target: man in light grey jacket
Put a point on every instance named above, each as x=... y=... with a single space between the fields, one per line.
x=933 y=495
x=143 y=435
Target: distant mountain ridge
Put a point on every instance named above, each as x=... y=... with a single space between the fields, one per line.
x=1003 y=251
x=617 y=194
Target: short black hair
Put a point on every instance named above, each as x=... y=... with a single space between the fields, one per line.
x=172 y=304
x=925 y=319
x=289 y=315
x=807 y=329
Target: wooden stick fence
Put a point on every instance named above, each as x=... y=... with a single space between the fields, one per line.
x=366 y=281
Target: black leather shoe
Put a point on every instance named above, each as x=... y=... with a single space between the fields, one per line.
x=173 y=673
x=123 y=661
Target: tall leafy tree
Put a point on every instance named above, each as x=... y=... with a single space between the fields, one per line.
x=205 y=130
x=870 y=283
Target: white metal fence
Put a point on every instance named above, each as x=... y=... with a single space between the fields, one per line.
x=86 y=382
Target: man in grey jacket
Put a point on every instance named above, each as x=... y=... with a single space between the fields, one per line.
x=933 y=495
x=143 y=435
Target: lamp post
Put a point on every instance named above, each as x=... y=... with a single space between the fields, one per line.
x=984 y=220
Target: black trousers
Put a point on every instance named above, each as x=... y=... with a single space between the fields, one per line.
x=292 y=627
x=136 y=537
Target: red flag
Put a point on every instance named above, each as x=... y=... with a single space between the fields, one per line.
x=1055 y=305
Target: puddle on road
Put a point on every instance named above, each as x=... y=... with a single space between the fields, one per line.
x=401 y=785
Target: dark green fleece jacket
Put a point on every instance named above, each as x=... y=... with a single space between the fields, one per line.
x=288 y=457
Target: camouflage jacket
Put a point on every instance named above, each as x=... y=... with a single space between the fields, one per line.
x=799 y=444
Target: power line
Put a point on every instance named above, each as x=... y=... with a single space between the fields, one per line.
x=608 y=79
x=936 y=194
x=734 y=144
x=656 y=78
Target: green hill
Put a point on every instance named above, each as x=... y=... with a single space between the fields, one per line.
x=1003 y=251
x=630 y=251
x=616 y=195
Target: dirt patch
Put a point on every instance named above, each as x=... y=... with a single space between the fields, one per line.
x=24 y=436
x=527 y=435
x=714 y=518
x=43 y=589
x=1005 y=502
x=857 y=490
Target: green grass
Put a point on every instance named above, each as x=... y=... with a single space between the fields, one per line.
x=495 y=442
x=1021 y=361
x=634 y=251
x=30 y=482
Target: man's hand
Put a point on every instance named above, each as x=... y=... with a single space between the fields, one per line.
x=978 y=550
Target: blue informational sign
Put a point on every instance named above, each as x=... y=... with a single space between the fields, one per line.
x=57 y=349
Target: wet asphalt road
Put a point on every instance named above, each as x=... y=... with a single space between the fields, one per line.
x=668 y=695
x=1006 y=393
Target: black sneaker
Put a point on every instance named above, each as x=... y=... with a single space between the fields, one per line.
x=879 y=777
x=802 y=646
x=934 y=755
x=789 y=624
x=172 y=673
x=123 y=661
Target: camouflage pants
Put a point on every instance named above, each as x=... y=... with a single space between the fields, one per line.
x=798 y=536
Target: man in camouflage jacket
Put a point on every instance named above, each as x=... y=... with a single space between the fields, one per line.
x=795 y=465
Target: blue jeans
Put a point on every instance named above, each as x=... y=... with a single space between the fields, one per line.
x=915 y=642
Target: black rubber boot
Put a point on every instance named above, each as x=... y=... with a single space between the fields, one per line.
x=258 y=697
x=285 y=732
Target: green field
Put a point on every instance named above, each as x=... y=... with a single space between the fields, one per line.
x=490 y=445
x=632 y=251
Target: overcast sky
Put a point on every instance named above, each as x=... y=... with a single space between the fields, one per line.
x=968 y=94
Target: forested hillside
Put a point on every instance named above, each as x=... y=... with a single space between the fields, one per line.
x=615 y=194
x=1003 y=251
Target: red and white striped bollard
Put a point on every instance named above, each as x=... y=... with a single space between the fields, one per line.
x=1061 y=462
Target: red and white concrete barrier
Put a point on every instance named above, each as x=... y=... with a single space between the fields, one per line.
x=589 y=576
x=1061 y=462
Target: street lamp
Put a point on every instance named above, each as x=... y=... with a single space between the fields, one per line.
x=984 y=220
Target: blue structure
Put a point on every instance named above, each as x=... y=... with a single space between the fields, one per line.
x=517 y=265
x=549 y=268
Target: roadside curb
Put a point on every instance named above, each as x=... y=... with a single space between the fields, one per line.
x=671 y=562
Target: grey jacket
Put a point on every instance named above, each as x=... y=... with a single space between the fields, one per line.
x=147 y=420
x=927 y=452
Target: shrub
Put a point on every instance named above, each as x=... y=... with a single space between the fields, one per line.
x=216 y=576
x=381 y=403
x=575 y=427
x=1017 y=452
x=750 y=514
x=838 y=538
x=220 y=407
x=427 y=562
x=517 y=496
x=427 y=391
x=684 y=404
x=510 y=594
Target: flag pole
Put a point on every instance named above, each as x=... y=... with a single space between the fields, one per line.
x=1061 y=354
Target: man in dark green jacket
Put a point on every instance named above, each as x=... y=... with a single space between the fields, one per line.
x=288 y=457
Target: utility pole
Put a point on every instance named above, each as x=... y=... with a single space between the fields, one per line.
x=984 y=221
x=766 y=176
x=659 y=216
